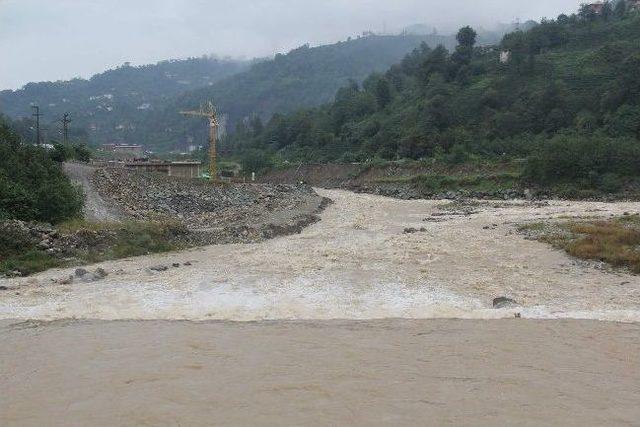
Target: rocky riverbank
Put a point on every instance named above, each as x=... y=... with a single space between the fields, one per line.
x=156 y=213
x=408 y=181
x=213 y=214
x=434 y=181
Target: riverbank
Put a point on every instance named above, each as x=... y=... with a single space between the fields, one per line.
x=481 y=179
x=131 y=214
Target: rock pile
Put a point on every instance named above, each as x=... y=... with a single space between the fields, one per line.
x=408 y=191
x=225 y=213
x=19 y=237
x=18 y=234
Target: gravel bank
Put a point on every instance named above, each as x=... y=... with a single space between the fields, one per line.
x=214 y=214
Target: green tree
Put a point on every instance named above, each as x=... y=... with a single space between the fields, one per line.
x=620 y=9
x=587 y=13
x=33 y=186
x=607 y=11
x=383 y=93
x=624 y=122
x=257 y=127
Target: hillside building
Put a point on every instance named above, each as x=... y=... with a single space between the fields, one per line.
x=189 y=170
x=597 y=7
x=124 y=150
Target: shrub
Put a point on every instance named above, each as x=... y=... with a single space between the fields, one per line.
x=33 y=186
x=575 y=158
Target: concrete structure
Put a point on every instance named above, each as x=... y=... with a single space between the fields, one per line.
x=505 y=56
x=177 y=169
x=634 y=5
x=124 y=150
x=597 y=7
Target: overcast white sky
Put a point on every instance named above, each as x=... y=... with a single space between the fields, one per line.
x=59 y=39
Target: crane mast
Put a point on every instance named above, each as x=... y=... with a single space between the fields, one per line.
x=208 y=110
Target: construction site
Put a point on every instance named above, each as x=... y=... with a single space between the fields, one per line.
x=133 y=157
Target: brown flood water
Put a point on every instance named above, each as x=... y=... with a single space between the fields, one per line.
x=388 y=372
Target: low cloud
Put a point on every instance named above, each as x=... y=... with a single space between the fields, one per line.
x=50 y=40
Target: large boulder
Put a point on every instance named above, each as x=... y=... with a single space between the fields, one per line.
x=504 y=302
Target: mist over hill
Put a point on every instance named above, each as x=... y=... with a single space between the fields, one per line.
x=305 y=77
x=112 y=105
x=140 y=105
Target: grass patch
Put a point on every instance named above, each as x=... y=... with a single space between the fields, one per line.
x=109 y=241
x=615 y=241
x=79 y=242
x=136 y=239
x=536 y=227
x=75 y=225
x=30 y=262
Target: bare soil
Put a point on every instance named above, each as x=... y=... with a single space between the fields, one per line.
x=96 y=208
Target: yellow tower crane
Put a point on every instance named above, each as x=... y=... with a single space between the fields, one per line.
x=208 y=110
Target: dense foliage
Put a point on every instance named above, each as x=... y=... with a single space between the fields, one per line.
x=33 y=186
x=140 y=104
x=568 y=98
x=112 y=106
x=305 y=77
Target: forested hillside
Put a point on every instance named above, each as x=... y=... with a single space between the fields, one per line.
x=305 y=77
x=111 y=106
x=567 y=98
x=140 y=104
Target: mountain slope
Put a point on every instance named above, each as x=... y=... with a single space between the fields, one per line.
x=568 y=99
x=112 y=105
x=304 y=77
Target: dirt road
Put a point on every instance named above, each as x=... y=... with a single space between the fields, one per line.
x=357 y=263
x=375 y=373
x=95 y=208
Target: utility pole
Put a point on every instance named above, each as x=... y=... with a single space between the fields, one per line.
x=37 y=115
x=65 y=128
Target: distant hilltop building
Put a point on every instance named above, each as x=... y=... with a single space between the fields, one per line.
x=124 y=150
x=597 y=7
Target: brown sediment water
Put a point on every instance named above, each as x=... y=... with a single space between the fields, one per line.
x=373 y=373
x=356 y=263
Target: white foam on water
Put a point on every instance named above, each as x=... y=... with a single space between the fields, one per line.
x=296 y=300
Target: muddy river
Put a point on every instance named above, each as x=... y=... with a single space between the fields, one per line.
x=357 y=263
